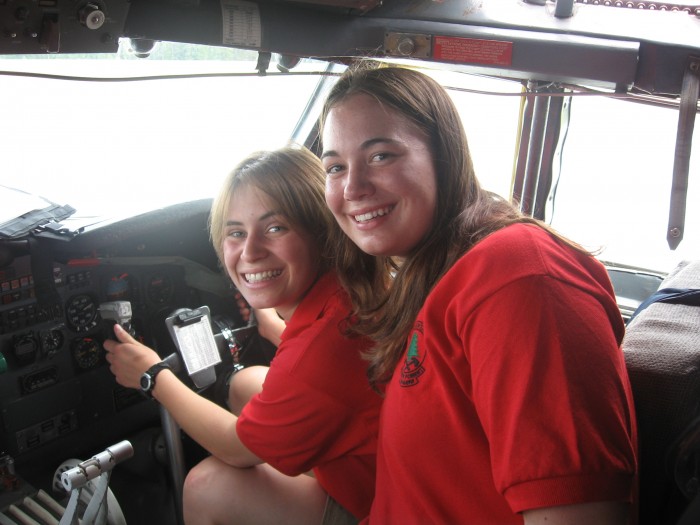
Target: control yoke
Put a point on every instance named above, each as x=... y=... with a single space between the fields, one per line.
x=192 y=333
x=199 y=348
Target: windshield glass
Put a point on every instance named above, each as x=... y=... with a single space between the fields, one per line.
x=113 y=148
x=116 y=135
x=614 y=191
x=616 y=169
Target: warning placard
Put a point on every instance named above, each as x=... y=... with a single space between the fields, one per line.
x=473 y=51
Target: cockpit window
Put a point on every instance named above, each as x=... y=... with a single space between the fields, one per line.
x=614 y=169
x=615 y=184
x=114 y=135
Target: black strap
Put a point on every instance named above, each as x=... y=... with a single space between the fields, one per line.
x=685 y=296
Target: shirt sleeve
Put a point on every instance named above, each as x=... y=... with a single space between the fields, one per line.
x=549 y=385
x=316 y=404
x=293 y=426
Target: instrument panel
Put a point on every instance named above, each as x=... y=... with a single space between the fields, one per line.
x=55 y=384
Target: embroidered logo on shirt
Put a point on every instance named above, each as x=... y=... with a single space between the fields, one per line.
x=413 y=366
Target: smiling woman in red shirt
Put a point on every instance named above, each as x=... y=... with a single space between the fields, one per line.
x=316 y=411
x=507 y=397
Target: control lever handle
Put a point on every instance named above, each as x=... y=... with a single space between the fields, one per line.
x=119 y=312
x=174 y=362
x=100 y=463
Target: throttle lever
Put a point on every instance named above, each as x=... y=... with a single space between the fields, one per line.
x=118 y=312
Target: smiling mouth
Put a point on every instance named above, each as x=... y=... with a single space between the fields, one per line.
x=261 y=276
x=373 y=214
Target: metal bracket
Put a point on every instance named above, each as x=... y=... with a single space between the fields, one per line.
x=407 y=45
x=681 y=161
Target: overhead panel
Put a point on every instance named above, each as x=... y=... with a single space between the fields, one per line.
x=615 y=48
x=527 y=55
x=59 y=26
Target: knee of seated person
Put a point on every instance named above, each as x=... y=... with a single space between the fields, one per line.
x=199 y=478
x=201 y=493
x=244 y=385
x=194 y=494
x=205 y=482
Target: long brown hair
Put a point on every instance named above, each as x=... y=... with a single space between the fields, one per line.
x=387 y=307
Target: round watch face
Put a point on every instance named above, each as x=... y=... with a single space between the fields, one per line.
x=146 y=382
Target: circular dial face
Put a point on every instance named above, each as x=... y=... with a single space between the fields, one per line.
x=119 y=287
x=81 y=313
x=51 y=342
x=159 y=288
x=86 y=352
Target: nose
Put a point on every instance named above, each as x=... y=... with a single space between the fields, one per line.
x=357 y=183
x=253 y=249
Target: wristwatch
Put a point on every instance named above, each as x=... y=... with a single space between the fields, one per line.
x=148 y=379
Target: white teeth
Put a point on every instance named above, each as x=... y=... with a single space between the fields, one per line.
x=371 y=215
x=261 y=276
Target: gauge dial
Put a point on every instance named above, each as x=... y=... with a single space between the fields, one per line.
x=86 y=352
x=51 y=342
x=119 y=287
x=159 y=288
x=81 y=313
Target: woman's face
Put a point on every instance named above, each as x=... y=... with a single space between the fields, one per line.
x=381 y=183
x=272 y=263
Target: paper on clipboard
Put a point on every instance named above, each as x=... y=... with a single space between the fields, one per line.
x=197 y=345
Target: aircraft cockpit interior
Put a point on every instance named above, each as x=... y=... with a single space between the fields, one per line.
x=121 y=117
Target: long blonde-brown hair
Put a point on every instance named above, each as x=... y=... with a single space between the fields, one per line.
x=387 y=307
x=294 y=179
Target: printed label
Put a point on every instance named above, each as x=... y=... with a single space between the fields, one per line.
x=473 y=51
x=241 y=23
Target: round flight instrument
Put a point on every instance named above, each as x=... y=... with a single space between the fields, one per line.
x=51 y=342
x=86 y=352
x=81 y=313
x=159 y=288
x=119 y=287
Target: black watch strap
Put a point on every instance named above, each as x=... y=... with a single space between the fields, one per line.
x=148 y=379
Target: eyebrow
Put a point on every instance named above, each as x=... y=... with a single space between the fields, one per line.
x=264 y=216
x=365 y=145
